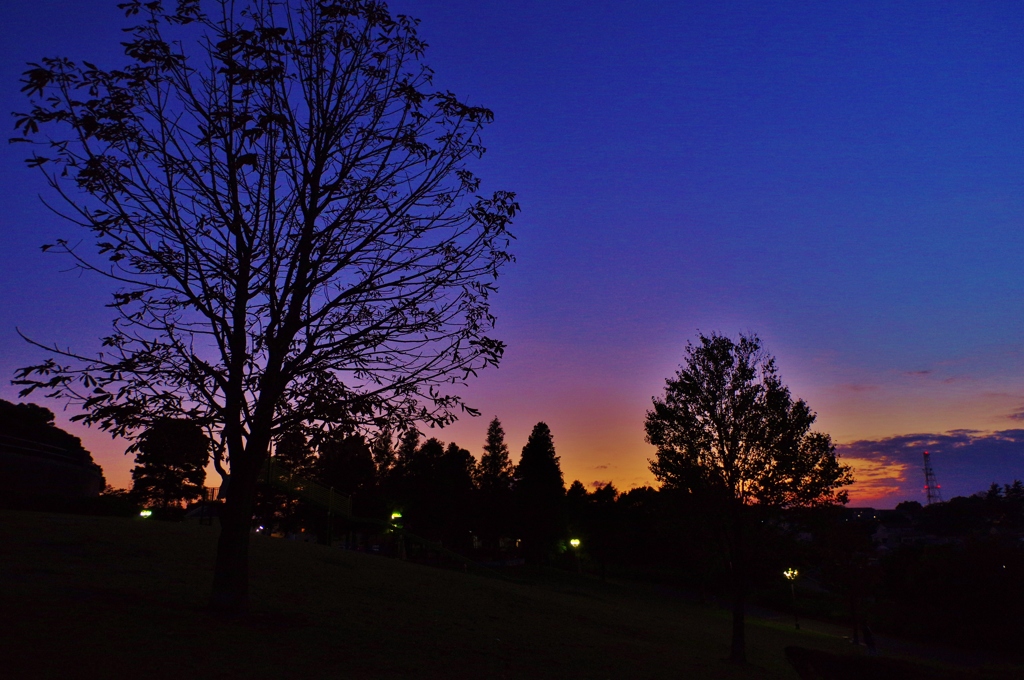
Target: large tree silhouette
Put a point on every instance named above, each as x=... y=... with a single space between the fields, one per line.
x=285 y=205
x=729 y=432
x=540 y=495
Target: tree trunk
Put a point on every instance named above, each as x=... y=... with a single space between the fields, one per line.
x=738 y=651
x=738 y=559
x=231 y=571
x=855 y=611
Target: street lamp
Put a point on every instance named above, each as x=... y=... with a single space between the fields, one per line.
x=396 y=527
x=575 y=543
x=146 y=513
x=791 y=575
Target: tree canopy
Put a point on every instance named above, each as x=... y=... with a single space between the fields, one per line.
x=728 y=426
x=170 y=462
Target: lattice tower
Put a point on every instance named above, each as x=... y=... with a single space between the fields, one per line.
x=931 y=487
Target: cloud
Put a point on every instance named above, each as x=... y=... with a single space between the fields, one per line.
x=877 y=479
x=965 y=461
x=599 y=484
x=1017 y=415
x=857 y=387
x=600 y=467
x=917 y=373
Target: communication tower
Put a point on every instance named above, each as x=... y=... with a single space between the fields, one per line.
x=931 y=487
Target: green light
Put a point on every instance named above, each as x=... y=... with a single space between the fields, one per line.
x=396 y=515
x=146 y=513
x=574 y=542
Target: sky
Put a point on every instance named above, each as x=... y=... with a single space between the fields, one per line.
x=846 y=180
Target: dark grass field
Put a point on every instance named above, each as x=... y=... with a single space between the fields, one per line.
x=87 y=597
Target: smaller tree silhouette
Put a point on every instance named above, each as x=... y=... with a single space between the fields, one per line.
x=496 y=468
x=171 y=458
x=495 y=478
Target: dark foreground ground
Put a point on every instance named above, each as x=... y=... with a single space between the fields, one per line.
x=86 y=597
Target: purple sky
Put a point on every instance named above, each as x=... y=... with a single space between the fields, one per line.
x=845 y=179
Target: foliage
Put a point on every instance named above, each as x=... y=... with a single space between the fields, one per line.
x=729 y=427
x=170 y=462
x=345 y=464
x=293 y=450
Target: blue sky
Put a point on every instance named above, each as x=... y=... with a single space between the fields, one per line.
x=845 y=179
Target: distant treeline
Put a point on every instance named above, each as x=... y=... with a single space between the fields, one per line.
x=956 y=576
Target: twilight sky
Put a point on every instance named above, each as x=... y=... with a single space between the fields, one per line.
x=844 y=179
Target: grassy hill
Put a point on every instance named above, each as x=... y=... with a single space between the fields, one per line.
x=85 y=597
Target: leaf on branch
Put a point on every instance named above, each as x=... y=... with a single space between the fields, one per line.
x=36 y=79
x=130 y=8
x=245 y=159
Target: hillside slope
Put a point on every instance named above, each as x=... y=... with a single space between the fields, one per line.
x=86 y=597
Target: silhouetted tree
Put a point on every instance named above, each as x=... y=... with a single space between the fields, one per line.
x=395 y=482
x=432 y=487
x=276 y=507
x=383 y=452
x=455 y=489
x=35 y=425
x=540 y=495
x=344 y=463
x=285 y=206
x=601 y=524
x=496 y=468
x=576 y=498
x=495 y=478
x=292 y=449
x=170 y=462
x=729 y=431
x=44 y=466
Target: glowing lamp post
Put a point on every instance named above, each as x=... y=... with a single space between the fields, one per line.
x=575 y=543
x=146 y=513
x=791 y=575
x=396 y=527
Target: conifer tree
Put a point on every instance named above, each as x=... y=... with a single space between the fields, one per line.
x=495 y=479
x=496 y=468
x=540 y=495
